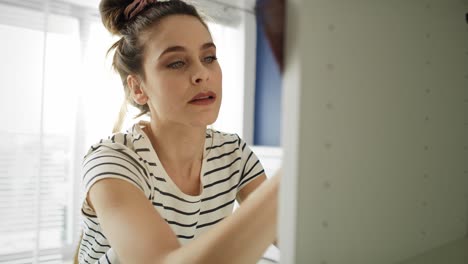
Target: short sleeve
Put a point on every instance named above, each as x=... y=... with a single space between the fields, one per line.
x=112 y=161
x=250 y=165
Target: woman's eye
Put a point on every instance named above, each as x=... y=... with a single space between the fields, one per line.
x=176 y=65
x=210 y=59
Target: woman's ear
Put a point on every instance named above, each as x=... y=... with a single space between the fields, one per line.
x=136 y=90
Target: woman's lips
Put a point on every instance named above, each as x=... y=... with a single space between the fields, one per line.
x=207 y=101
x=205 y=98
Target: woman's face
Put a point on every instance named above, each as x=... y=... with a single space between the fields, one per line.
x=182 y=76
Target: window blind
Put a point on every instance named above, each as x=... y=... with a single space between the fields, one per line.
x=40 y=54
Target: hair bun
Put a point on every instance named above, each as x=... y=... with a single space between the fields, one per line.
x=112 y=15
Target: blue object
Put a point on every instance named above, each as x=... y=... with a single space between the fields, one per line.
x=268 y=82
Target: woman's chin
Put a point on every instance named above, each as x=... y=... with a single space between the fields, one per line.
x=204 y=122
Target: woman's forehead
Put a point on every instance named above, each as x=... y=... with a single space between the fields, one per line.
x=179 y=30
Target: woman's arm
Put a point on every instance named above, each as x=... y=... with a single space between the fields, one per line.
x=139 y=234
x=250 y=188
x=241 y=238
x=134 y=229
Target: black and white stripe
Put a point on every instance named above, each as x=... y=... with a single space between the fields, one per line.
x=228 y=166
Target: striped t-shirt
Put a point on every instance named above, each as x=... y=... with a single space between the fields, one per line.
x=228 y=165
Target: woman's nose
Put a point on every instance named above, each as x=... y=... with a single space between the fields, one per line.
x=200 y=75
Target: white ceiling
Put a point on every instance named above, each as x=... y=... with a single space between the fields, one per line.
x=87 y=3
x=244 y=4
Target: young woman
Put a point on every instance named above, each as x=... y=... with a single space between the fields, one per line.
x=163 y=192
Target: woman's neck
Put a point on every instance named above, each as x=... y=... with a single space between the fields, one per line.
x=180 y=148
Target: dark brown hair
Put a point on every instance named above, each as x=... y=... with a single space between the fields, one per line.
x=130 y=48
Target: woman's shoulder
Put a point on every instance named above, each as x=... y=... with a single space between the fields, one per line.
x=223 y=140
x=221 y=135
x=128 y=141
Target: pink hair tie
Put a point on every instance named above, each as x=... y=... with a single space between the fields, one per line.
x=136 y=7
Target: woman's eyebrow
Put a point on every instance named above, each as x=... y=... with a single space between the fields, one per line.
x=208 y=45
x=181 y=48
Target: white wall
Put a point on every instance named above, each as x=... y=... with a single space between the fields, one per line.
x=376 y=130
